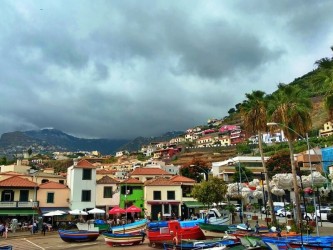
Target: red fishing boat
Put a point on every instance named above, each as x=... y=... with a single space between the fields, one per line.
x=173 y=233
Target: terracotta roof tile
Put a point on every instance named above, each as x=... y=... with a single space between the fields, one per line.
x=149 y=171
x=16 y=181
x=52 y=185
x=105 y=171
x=183 y=179
x=132 y=181
x=84 y=164
x=107 y=180
x=161 y=182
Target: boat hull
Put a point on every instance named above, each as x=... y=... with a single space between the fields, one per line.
x=135 y=227
x=174 y=233
x=212 y=230
x=78 y=236
x=123 y=239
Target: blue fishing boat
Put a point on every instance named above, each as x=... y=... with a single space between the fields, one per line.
x=78 y=236
x=7 y=247
x=135 y=227
x=204 y=244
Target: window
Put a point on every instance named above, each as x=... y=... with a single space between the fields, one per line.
x=86 y=195
x=157 y=195
x=24 y=195
x=171 y=195
x=61 y=181
x=86 y=174
x=166 y=209
x=7 y=195
x=107 y=192
x=50 y=198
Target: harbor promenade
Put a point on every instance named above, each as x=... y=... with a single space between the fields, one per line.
x=51 y=241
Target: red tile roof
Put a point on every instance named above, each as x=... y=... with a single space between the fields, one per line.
x=107 y=180
x=161 y=182
x=84 y=164
x=132 y=181
x=18 y=182
x=183 y=179
x=150 y=171
x=105 y=171
x=52 y=185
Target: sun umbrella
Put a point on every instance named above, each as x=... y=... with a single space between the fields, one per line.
x=54 y=213
x=96 y=211
x=117 y=210
x=133 y=209
x=77 y=212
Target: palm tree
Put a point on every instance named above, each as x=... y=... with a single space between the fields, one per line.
x=291 y=109
x=254 y=115
x=325 y=77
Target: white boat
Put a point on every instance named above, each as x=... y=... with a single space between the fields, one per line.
x=213 y=216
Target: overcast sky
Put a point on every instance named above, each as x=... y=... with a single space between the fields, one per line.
x=122 y=69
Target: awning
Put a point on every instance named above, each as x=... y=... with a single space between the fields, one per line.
x=45 y=210
x=14 y=212
x=191 y=204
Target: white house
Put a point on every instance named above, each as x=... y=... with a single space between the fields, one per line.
x=81 y=179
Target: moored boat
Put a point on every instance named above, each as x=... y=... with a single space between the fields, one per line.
x=78 y=236
x=213 y=230
x=93 y=225
x=203 y=244
x=124 y=239
x=6 y=247
x=174 y=233
x=135 y=227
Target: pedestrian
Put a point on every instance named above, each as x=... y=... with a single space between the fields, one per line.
x=159 y=216
x=247 y=224
x=5 y=232
x=44 y=228
x=257 y=227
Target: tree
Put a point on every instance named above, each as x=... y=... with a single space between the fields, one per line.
x=195 y=168
x=291 y=110
x=325 y=77
x=254 y=115
x=205 y=192
x=279 y=164
x=246 y=174
x=231 y=111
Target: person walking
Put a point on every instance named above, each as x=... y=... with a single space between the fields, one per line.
x=257 y=227
x=44 y=228
x=5 y=232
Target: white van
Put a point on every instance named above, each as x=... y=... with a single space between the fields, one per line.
x=277 y=205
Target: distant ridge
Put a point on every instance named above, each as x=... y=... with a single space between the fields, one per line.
x=50 y=140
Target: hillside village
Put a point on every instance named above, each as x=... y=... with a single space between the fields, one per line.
x=153 y=184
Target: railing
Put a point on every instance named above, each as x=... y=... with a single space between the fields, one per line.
x=19 y=204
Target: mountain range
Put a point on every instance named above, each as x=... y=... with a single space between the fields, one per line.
x=51 y=140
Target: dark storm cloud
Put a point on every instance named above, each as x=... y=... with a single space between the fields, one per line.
x=121 y=69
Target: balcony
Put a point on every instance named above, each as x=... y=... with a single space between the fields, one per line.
x=18 y=204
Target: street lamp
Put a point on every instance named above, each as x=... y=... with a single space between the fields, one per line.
x=33 y=172
x=308 y=146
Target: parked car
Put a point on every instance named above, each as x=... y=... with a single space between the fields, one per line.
x=321 y=214
x=330 y=217
x=264 y=210
x=282 y=212
x=237 y=207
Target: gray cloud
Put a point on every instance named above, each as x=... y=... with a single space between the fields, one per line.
x=125 y=69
